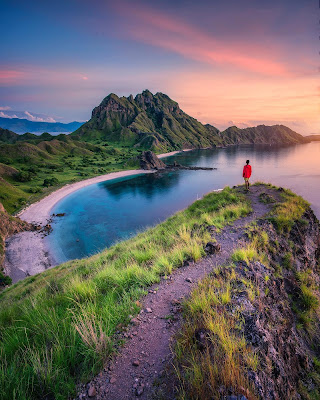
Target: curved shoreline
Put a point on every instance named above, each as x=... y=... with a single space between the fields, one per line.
x=39 y=212
x=28 y=253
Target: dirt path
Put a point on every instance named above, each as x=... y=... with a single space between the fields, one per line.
x=141 y=361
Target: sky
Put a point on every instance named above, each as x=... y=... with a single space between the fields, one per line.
x=231 y=62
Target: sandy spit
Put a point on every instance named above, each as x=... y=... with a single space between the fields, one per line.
x=28 y=253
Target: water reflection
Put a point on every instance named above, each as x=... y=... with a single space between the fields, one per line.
x=148 y=186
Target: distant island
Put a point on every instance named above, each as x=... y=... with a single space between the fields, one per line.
x=20 y=125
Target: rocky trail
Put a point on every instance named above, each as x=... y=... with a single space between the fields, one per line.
x=141 y=362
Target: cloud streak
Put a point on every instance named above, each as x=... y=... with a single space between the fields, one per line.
x=3 y=115
x=31 y=117
x=159 y=29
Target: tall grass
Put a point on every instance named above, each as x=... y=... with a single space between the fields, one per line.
x=287 y=212
x=57 y=328
x=222 y=357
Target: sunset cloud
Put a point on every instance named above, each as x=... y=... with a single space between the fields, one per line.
x=10 y=76
x=38 y=119
x=159 y=29
x=3 y=115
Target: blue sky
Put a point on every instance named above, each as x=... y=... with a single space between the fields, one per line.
x=231 y=62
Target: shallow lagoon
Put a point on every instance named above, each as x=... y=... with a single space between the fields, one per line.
x=102 y=214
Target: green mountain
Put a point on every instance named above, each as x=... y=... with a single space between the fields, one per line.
x=147 y=121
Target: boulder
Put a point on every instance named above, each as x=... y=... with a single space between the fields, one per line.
x=212 y=248
x=149 y=160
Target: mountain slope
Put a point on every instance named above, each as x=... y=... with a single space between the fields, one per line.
x=155 y=122
x=24 y=125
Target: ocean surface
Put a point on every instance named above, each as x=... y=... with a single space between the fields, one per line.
x=102 y=214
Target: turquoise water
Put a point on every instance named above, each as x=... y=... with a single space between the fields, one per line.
x=101 y=214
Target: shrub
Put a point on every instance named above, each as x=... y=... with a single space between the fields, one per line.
x=4 y=279
x=50 y=182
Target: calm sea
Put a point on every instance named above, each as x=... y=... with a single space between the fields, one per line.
x=100 y=215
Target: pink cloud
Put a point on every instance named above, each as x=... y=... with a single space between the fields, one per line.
x=158 y=29
x=3 y=115
x=29 y=75
x=37 y=118
x=10 y=76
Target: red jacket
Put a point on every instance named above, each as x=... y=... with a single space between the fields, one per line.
x=246 y=171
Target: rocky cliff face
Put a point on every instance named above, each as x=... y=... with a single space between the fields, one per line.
x=149 y=160
x=9 y=226
x=282 y=323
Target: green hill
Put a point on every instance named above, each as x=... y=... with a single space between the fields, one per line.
x=31 y=166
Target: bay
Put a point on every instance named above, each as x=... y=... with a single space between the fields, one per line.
x=102 y=214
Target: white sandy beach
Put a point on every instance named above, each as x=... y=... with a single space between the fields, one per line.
x=28 y=253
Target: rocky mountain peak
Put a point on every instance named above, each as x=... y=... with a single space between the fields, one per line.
x=111 y=103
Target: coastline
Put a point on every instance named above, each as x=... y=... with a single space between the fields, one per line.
x=28 y=253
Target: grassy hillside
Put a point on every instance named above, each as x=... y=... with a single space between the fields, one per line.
x=56 y=328
x=31 y=169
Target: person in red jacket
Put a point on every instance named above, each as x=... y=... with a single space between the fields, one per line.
x=246 y=174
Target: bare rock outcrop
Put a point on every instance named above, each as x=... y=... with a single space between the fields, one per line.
x=149 y=160
x=9 y=226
